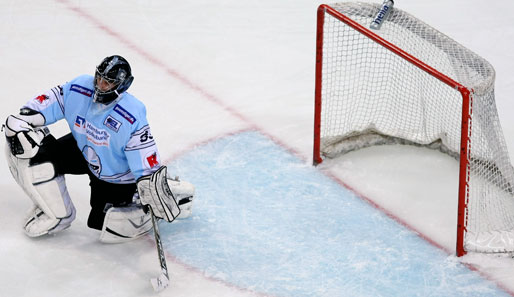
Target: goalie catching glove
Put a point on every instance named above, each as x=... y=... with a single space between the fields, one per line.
x=23 y=138
x=165 y=195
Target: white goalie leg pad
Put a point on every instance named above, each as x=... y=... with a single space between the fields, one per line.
x=53 y=209
x=184 y=193
x=122 y=224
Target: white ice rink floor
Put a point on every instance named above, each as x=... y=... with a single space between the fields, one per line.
x=229 y=90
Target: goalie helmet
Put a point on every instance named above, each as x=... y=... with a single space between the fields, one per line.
x=114 y=70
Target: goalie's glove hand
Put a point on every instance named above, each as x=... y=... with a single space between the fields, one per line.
x=22 y=136
x=155 y=192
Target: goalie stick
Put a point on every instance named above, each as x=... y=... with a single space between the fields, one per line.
x=160 y=283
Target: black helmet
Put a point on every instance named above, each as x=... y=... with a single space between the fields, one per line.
x=116 y=70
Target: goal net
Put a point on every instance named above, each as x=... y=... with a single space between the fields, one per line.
x=408 y=83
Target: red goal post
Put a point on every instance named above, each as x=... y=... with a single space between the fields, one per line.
x=408 y=83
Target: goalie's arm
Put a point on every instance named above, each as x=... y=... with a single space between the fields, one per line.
x=21 y=130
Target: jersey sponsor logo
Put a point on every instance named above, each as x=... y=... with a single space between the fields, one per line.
x=42 y=99
x=81 y=90
x=80 y=122
x=124 y=113
x=151 y=160
x=112 y=123
x=99 y=137
x=94 y=135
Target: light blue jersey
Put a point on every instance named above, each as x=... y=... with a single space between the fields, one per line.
x=115 y=139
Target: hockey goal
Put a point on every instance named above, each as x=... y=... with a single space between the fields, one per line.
x=408 y=83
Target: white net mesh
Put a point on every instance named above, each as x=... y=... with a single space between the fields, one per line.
x=372 y=96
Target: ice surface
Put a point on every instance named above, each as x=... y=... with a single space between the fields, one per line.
x=265 y=220
x=208 y=69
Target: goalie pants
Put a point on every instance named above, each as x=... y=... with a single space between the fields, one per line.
x=68 y=159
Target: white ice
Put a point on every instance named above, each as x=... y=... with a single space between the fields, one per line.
x=206 y=69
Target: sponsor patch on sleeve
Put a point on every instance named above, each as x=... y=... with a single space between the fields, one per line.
x=42 y=99
x=151 y=160
x=124 y=113
x=81 y=90
x=112 y=123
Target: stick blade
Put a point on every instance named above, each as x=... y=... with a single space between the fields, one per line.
x=160 y=283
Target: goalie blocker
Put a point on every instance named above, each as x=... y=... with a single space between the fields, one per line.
x=169 y=199
x=154 y=190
